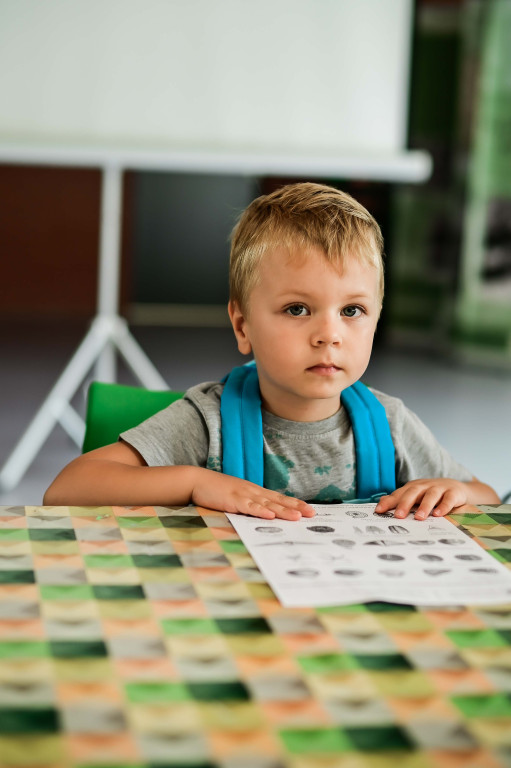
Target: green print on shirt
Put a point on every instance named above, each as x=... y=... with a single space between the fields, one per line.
x=322 y=470
x=214 y=462
x=276 y=472
x=332 y=493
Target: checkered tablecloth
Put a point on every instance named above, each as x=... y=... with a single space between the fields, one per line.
x=147 y=638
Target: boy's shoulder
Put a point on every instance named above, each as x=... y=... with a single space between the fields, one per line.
x=205 y=395
x=394 y=406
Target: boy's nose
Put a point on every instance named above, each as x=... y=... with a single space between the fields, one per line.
x=326 y=332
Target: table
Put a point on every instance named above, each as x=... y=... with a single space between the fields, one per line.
x=145 y=637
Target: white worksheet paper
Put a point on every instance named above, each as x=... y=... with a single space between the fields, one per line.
x=349 y=554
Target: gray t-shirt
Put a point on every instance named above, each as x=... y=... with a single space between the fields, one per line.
x=314 y=461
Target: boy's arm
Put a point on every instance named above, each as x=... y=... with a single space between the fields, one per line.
x=437 y=496
x=117 y=474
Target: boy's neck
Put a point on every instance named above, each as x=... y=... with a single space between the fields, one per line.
x=317 y=410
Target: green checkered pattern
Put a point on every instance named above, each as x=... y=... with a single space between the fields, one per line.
x=148 y=638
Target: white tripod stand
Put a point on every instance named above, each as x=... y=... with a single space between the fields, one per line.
x=107 y=333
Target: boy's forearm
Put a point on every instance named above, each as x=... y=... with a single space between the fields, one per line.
x=480 y=493
x=97 y=481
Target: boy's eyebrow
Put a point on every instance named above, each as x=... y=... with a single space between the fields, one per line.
x=304 y=294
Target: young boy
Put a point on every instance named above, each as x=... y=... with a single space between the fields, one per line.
x=306 y=288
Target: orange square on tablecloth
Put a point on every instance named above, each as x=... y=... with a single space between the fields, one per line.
x=305 y=713
x=460 y=681
x=476 y=758
x=310 y=644
x=174 y=609
x=146 y=669
x=242 y=743
x=427 y=708
x=22 y=629
x=118 y=547
x=459 y=619
x=250 y=666
x=101 y=691
x=103 y=748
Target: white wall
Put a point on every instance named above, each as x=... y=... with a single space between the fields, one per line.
x=315 y=75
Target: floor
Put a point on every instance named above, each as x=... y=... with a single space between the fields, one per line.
x=468 y=409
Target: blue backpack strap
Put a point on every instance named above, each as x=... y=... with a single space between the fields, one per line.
x=242 y=434
x=374 y=449
x=242 y=425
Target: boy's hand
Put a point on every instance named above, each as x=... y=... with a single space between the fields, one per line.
x=437 y=496
x=215 y=490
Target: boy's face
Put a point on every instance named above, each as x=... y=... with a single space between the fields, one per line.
x=310 y=328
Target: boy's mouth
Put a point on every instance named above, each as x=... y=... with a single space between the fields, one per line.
x=324 y=369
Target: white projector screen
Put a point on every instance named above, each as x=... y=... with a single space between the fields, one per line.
x=304 y=76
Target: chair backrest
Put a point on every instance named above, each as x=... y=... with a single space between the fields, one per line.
x=113 y=408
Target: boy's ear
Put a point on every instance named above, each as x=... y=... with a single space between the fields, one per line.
x=239 y=325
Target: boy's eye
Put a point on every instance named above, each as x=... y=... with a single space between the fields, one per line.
x=297 y=310
x=352 y=311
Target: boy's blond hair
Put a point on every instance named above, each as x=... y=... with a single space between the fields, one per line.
x=301 y=215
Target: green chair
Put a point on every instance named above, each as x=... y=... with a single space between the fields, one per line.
x=113 y=408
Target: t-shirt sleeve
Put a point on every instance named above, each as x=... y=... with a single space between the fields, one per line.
x=175 y=436
x=418 y=452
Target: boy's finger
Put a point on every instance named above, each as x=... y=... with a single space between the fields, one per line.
x=442 y=510
x=447 y=505
x=406 y=503
x=386 y=503
x=305 y=509
x=289 y=502
x=287 y=507
x=428 y=503
x=288 y=514
x=285 y=512
x=255 y=509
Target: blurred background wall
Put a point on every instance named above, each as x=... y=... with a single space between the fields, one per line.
x=450 y=254
x=448 y=241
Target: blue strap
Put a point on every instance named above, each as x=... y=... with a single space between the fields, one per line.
x=242 y=425
x=374 y=449
x=242 y=434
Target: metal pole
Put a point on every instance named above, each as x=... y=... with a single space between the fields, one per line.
x=109 y=262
